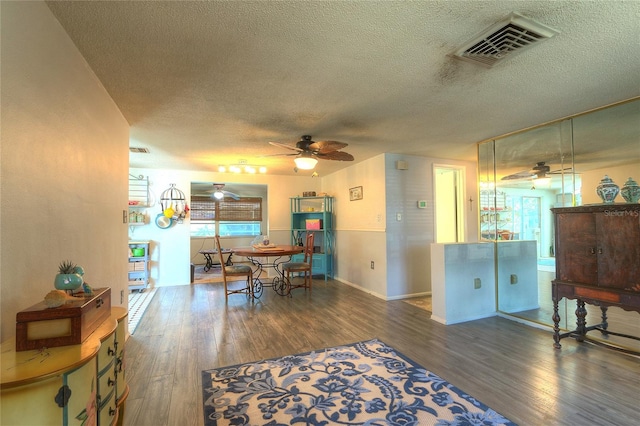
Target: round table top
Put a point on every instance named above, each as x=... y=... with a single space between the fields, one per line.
x=278 y=250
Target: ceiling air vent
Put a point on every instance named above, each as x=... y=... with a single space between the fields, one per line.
x=138 y=150
x=503 y=40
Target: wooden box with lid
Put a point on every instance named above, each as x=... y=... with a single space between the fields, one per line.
x=70 y=324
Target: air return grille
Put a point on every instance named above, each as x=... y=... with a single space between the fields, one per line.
x=138 y=150
x=504 y=39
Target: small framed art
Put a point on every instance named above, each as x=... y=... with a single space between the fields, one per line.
x=355 y=193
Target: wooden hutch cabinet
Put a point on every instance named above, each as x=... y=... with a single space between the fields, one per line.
x=597 y=262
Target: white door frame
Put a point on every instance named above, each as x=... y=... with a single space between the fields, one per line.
x=460 y=195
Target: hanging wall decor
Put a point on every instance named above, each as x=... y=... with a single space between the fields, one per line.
x=174 y=207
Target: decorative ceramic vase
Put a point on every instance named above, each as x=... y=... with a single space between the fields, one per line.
x=630 y=191
x=67 y=281
x=607 y=190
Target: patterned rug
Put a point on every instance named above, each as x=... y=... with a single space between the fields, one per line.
x=366 y=383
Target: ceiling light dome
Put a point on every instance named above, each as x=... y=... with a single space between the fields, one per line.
x=305 y=162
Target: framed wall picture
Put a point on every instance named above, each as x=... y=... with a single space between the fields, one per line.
x=355 y=193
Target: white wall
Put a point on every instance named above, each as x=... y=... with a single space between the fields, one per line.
x=367 y=229
x=409 y=239
x=64 y=164
x=457 y=297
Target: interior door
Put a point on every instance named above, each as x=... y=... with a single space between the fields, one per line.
x=449 y=203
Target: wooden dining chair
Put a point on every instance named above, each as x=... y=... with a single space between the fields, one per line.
x=303 y=267
x=234 y=271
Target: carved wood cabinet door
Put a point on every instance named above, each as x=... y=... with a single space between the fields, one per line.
x=599 y=246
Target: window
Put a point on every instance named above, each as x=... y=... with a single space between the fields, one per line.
x=226 y=217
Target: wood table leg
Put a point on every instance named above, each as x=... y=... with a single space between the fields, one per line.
x=581 y=314
x=556 y=325
x=604 y=324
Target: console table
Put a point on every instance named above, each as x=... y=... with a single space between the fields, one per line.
x=597 y=258
x=83 y=384
x=209 y=260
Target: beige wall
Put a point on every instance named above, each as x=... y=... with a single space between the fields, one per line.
x=360 y=225
x=619 y=175
x=64 y=164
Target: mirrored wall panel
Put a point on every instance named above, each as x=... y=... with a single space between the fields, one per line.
x=524 y=175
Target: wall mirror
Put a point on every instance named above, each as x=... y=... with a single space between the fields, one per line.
x=524 y=174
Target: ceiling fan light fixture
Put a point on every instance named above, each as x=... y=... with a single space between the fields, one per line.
x=542 y=182
x=305 y=162
x=218 y=195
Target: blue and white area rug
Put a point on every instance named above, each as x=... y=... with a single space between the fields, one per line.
x=366 y=383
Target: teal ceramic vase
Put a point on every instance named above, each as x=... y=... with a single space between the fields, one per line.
x=607 y=190
x=68 y=281
x=630 y=191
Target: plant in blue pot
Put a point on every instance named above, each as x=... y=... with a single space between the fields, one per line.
x=68 y=277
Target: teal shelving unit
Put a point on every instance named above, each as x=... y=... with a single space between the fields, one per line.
x=304 y=210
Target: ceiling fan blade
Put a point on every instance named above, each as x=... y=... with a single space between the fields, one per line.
x=281 y=145
x=231 y=194
x=335 y=155
x=280 y=155
x=520 y=175
x=324 y=147
x=561 y=171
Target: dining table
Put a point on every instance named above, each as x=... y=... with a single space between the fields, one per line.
x=265 y=257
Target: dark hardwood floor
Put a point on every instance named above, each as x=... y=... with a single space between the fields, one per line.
x=513 y=368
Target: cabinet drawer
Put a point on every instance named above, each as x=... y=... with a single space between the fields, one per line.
x=107 y=410
x=121 y=376
x=107 y=354
x=106 y=387
x=318 y=263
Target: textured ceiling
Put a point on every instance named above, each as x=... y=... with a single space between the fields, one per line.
x=208 y=83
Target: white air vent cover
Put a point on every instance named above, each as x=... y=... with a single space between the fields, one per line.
x=138 y=150
x=504 y=39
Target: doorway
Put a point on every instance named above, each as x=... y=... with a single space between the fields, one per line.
x=449 y=203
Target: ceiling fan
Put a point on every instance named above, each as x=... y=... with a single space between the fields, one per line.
x=307 y=152
x=219 y=193
x=539 y=171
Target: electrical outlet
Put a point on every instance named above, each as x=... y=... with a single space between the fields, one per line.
x=514 y=279
x=372 y=265
x=477 y=283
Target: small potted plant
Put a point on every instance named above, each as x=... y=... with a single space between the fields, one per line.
x=68 y=277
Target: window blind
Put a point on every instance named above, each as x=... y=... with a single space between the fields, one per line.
x=246 y=209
